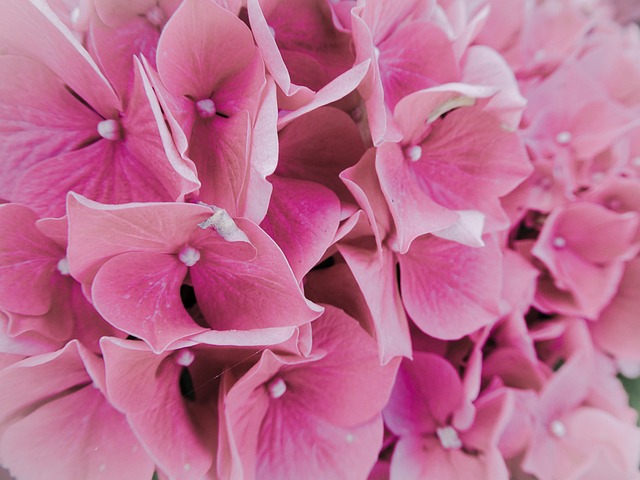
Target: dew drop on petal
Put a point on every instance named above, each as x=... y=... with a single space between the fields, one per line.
x=277 y=387
x=206 y=108
x=349 y=438
x=109 y=129
x=558 y=428
x=184 y=357
x=63 y=266
x=189 y=255
x=414 y=152
x=448 y=437
x=563 y=137
x=559 y=242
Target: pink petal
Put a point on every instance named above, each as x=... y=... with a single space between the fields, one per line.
x=88 y=438
x=178 y=433
x=451 y=290
x=39 y=119
x=27 y=262
x=197 y=30
x=276 y=298
x=32 y=29
x=426 y=393
x=139 y=293
x=302 y=218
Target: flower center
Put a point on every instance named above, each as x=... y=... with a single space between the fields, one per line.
x=155 y=16
x=109 y=129
x=277 y=387
x=414 y=153
x=63 y=266
x=449 y=438
x=563 y=138
x=184 y=357
x=559 y=242
x=558 y=428
x=189 y=255
x=205 y=108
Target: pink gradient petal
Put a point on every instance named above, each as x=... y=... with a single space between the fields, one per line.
x=28 y=260
x=267 y=280
x=179 y=434
x=302 y=218
x=40 y=119
x=90 y=440
x=32 y=29
x=139 y=293
x=426 y=393
x=98 y=232
x=196 y=30
x=451 y=290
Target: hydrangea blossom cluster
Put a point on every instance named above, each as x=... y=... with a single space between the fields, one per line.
x=327 y=239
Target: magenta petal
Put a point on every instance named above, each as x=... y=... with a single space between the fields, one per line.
x=139 y=293
x=27 y=262
x=257 y=293
x=451 y=290
x=87 y=439
x=427 y=392
x=201 y=30
x=302 y=218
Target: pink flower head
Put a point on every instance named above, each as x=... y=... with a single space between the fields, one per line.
x=137 y=258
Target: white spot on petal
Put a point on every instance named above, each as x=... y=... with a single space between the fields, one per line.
x=272 y=31
x=636 y=162
x=277 y=387
x=189 y=255
x=558 y=428
x=539 y=55
x=63 y=266
x=206 y=108
x=156 y=16
x=75 y=16
x=222 y=222
x=414 y=153
x=109 y=129
x=559 y=242
x=563 y=137
x=349 y=438
x=448 y=437
x=102 y=468
x=597 y=177
x=187 y=467
x=376 y=53
x=184 y=357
